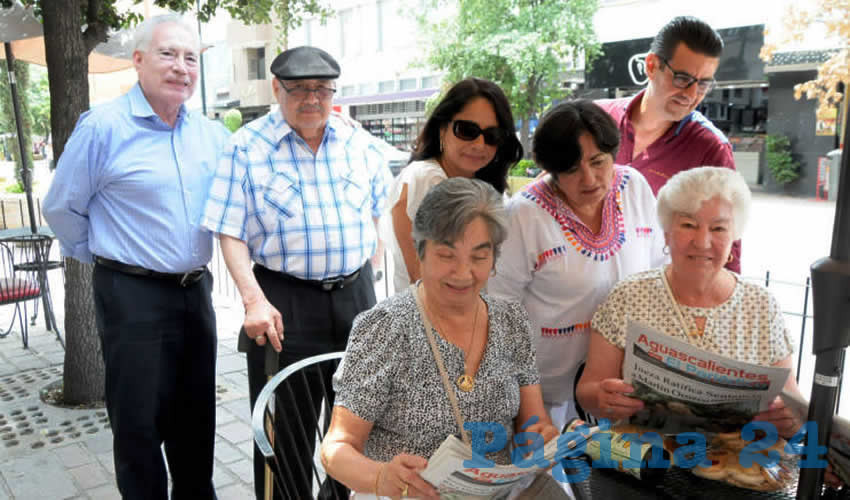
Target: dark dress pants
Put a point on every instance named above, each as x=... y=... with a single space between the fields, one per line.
x=159 y=345
x=314 y=322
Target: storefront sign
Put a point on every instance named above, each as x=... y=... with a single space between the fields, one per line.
x=623 y=64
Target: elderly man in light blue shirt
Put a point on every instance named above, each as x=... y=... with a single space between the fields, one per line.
x=128 y=194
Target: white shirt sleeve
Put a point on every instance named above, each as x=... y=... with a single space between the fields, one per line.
x=514 y=269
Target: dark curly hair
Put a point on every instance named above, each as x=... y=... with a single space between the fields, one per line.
x=427 y=145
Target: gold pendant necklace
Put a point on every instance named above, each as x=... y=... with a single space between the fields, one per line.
x=465 y=382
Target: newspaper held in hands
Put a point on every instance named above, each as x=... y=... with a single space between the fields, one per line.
x=685 y=388
x=838 y=453
x=446 y=471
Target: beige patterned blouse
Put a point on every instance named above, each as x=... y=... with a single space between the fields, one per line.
x=748 y=327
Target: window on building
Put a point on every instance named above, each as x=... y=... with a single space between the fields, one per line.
x=367 y=89
x=349 y=33
x=380 y=9
x=407 y=84
x=348 y=90
x=256 y=63
x=430 y=82
x=386 y=86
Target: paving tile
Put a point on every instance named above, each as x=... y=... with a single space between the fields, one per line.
x=234 y=432
x=74 y=455
x=107 y=461
x=230 y=363
x=234 y=492
x=221 y=477
x=99 y=443
x=105 y=492
x=227 y=453
x=243 y=469
x=222 y=416
x=240 y=408
x=90 y=475
x=25 y=477
x=247 y=448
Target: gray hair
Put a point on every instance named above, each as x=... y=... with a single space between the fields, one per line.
x=686 y=191
x=451 y=205
x=144 y=31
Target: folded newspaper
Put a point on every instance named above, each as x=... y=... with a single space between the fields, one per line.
x=838 y=453
x=446 y=471
x=685 y=388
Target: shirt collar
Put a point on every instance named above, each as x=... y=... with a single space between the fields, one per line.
x=674 y=129
x=141 y=108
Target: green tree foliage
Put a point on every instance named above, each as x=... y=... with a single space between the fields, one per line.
x=779 y=160
x=7 y=115
x=38 y=100
x=522 y=45
x=72 y=28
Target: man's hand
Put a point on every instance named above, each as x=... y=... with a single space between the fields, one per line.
x=263 y=321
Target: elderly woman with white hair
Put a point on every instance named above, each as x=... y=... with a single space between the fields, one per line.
x=694 y=299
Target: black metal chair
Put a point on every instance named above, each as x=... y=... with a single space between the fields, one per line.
x=279 y=438
x=22 y=279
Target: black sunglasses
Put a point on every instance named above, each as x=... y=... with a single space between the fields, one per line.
x=466 y=130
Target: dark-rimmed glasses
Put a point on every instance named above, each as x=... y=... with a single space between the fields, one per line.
x=301 y=93
x=466 y=130
x=683 y=80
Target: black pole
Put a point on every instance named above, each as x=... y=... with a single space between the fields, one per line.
x=25 y=168
x=830 y=294
x=201 y=58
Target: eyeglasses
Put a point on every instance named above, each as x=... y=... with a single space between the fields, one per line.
x=301 y=93
x=466 y=130
x=683 y=80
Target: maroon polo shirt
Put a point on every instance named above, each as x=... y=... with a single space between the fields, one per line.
x=691 y=142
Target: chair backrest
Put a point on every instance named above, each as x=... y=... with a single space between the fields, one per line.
x=19 y=280
x=307 y=383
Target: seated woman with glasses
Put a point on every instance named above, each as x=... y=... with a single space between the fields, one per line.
x=572 y=235
x=469 y=134
x=394 y=403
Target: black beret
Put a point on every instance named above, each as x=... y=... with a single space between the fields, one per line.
x=305 y=63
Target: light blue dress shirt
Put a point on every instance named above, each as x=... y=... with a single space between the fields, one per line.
x=131 y=188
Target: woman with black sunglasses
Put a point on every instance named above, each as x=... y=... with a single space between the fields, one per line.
x=572 y=235
x=469 y=134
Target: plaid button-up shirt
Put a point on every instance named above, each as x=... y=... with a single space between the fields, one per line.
x=310 y=216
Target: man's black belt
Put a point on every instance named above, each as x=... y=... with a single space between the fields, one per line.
x=182 y=279
x=327 y=284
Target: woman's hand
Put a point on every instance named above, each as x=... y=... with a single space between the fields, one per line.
x=400 y=478
x=781 y=417
x=545 y=429
x=613 y=402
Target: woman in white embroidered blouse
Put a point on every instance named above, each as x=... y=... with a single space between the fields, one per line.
x=572 y=235
x=694 y=299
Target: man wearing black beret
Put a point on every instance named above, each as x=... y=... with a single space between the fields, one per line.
x=299 y=192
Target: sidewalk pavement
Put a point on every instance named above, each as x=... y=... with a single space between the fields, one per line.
x=53 y=453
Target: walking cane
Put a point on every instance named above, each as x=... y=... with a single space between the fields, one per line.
x=271 y=364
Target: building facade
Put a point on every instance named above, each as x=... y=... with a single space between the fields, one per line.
x=383 y=83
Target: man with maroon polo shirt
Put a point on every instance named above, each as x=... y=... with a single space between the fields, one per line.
x=661 y=133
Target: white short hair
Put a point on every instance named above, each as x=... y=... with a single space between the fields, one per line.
x=686 y=191
x=144 y=32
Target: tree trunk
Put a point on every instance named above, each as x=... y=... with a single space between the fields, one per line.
x=68 y=67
